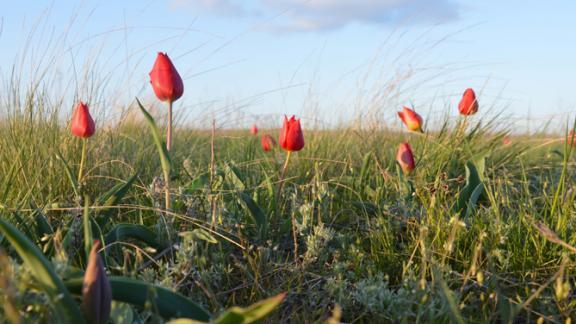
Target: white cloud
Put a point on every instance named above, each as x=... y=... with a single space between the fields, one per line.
x=220 y=7
x=305 y=15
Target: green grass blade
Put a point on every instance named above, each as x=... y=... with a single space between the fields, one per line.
x=170 y=304
x=42 y=270
x=70 y=174
x=252 y=313
x=112 y=197
x=448 y=295
x=258 y=215
x=87 y=227
x=160 y=144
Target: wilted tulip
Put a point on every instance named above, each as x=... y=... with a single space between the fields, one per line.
x=405 y=158
x=267 y=142
x=468 y=105
x=165 y=80
x=291 y=137
x=411 y=119
x=82 y=124
x=96 y=290
x=254 y=130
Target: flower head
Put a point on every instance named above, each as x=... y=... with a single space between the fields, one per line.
x=267 y=142
x=82 y=124
x=165 y=80
x=291 y=137
x=254 y=130
x=405 y=158
x=468 y=104
x=96 y=290
x=411 y=119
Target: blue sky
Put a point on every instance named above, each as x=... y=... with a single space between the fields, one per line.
x=324 y=60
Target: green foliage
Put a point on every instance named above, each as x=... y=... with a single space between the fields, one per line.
x=452 y=241
x=167 y=303
x=65 y=308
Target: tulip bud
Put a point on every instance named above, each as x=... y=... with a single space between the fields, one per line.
x=165 y=80
x=82 y=124
x=267 y=142
x=411 y=119
x=468 y=105
x=96 y=290
x=291 y=137
x=405 y=158
x=254 y=130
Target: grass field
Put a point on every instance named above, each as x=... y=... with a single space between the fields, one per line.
x=481 y=231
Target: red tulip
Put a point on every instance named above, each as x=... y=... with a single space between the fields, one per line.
x=291 y=137
x=96 y=290
x=405 y=157
x=411 y=119
x=506 y=140
x=267 y=142
x=165 y=80
x=468 y=105
x=254 y=130
x=572 y=138
x=82 y=124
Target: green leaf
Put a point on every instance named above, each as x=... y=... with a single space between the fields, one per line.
x=252 y=313
x=474 y=186
x=133 y=231
x=234 y=177
x=473 y=201
x=112 y=197
x=169 y=304
x=160 y=144
x=183 y=321
x=70 y=174
x=121 y=313
x=198 y=183
x=199 y=234
x=258 y=215
x=42 y=225
x=41 y=269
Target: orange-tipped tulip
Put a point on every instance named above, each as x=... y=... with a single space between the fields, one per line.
x=82 y=124
x=96 y=291
x=468 y=105
x=411 y=119
x=291 y=137
x=165 y=80
x=405 y=158
x=267 y=142
x=254 y=130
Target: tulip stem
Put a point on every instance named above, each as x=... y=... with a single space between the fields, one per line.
x=82 y=158
x=169 y=130
x=168 y=147
x=285 y=167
